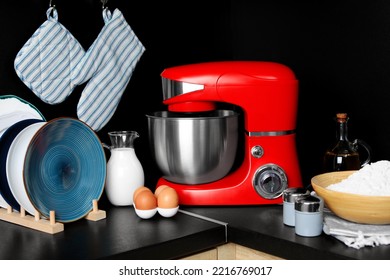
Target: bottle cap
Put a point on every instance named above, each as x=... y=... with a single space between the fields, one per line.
x=341 y=117
x=292 y=194
x=308 y=204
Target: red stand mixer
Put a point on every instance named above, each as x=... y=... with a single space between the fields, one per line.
x=267 y=93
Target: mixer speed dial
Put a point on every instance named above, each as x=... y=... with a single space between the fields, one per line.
x=270 y=181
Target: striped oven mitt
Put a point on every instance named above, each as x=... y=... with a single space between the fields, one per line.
x=108 y=65
x=46 y=61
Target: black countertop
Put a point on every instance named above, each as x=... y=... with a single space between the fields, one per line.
x=122 y=235
x=261 y=228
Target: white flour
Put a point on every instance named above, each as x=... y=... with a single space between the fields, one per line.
x=372 y=179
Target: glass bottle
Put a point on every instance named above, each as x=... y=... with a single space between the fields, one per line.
x=344 y=154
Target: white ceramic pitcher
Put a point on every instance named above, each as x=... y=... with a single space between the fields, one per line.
x=124 y=171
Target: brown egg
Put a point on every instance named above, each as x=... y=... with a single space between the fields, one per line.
x=158 y=190
x=168 y=198
x=145 y=200
x=138 y=190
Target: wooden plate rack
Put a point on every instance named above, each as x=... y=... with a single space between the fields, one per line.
x=49 y=225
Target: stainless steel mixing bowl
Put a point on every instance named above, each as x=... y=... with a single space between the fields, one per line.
x=193 y=148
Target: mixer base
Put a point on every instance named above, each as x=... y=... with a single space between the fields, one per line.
x=218 y=194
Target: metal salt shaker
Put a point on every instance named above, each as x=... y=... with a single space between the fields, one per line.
x=290 y=195
x=309 y=216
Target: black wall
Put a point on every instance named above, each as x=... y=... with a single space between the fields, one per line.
x=339 y=51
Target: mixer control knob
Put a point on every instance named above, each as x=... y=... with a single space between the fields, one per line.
x=270 y=181
x=257 y=151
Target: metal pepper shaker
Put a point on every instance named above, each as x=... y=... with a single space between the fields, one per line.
x=290 y=195
x=309 y=216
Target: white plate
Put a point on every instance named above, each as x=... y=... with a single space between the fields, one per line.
x=15 y=164
x=14 y=109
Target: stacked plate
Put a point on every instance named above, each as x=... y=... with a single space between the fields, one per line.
x=56 y=165
x=15 y=115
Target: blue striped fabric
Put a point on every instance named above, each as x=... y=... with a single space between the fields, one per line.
x=109 y=64
x=52 y=63
x=45 y=63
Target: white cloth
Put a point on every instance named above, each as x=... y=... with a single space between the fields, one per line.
x=353 y=234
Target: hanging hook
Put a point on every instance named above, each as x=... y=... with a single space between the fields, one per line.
x=104 y=2
x=52 y=7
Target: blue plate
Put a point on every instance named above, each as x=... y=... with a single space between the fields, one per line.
x=5 y=143
x=64 y=169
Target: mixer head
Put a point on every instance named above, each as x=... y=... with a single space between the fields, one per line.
x=266 y=91
x=172 y=88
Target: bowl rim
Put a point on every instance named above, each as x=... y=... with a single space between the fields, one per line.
x=219 y=114
x=334 y=192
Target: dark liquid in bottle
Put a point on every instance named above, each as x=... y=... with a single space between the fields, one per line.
x=341 y=162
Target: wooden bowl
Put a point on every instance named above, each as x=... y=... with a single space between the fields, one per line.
x=364 y=209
